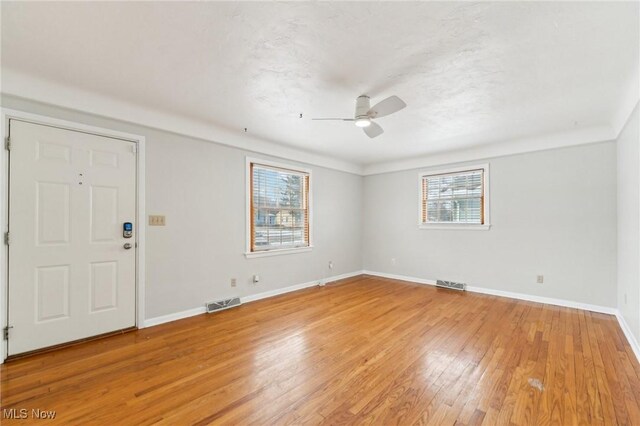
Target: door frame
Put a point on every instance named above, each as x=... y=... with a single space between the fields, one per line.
x=6 y=115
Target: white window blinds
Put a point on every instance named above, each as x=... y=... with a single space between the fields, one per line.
x=453 y=197
x=279 y=208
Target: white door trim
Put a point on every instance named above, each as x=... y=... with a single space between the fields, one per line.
x=4 y=205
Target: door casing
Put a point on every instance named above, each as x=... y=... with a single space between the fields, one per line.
x=139 y=140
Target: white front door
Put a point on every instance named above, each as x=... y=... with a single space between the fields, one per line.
x=70 y=275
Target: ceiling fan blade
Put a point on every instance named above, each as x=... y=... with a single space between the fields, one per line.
x=373 y=130
x=334 y=119
x=387 y=106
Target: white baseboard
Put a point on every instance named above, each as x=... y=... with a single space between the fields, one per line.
x=174 y=317
x=247 y=299
x=629 y=335
x=400 y=277
x=278 y=291
x=509 y=294
x=545 y=300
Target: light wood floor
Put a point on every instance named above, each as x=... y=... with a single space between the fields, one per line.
x=363 y=351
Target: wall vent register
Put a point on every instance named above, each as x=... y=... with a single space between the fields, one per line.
x=220 y=305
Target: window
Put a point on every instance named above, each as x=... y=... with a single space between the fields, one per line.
x=279 y=208
x=455 y=198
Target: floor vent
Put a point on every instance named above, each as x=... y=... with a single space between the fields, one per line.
x=220 y=305
x=452 y=285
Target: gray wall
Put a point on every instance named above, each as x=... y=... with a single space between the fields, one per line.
x=552 y=213
x=200 y=187
x=629 y=223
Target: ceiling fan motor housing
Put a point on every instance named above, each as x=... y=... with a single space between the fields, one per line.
x=362 y=106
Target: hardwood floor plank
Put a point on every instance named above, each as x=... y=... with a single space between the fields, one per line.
x=590 y=376
x=366 y=350
x=606 y=396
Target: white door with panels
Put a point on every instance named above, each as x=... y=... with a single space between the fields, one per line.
x=72 y=204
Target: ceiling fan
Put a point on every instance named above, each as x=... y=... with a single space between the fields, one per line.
x=365 y=114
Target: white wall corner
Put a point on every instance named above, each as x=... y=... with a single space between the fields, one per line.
x=629 y=335
x=628 y=103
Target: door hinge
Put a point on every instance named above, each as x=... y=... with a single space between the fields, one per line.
x=7 y=143
x=5 y=332
x=6 y=238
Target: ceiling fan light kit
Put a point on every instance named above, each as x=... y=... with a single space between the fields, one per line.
x=365 y=114
x=363 y=122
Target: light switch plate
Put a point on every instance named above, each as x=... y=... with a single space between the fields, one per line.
x=156 y=220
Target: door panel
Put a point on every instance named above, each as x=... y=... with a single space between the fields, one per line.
x=104 y=214
x=52 y=152
x=52 y=292
x=69 y=274
x=104 y=285
x=53 y=213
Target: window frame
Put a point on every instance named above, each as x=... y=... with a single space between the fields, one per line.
x=451 y=225
x=248 y=207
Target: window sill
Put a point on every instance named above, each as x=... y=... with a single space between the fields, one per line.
x=456 y=226
x=265 y=253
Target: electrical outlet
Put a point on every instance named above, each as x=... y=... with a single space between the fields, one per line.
x=233 y=282
x=331 y=264
x=256 y=279
x=540 y=279
x=393 y=261
x=156 y=220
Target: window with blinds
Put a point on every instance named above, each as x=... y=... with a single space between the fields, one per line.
x=453 y=198
x=279 y=208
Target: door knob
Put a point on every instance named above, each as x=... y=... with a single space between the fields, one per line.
x=127 y=246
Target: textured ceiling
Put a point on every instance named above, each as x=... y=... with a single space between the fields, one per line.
x=471 y=73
